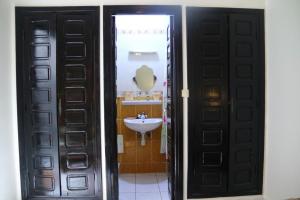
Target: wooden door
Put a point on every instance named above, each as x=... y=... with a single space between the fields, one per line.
x=37 y=105
x=77 y=103
x=58 y=112
x=247 y=100
x=226 y=104
x=208 y=106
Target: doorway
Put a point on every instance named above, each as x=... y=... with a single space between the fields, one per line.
x=143 y=43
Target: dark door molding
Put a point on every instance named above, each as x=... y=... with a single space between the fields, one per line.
x=110 y=95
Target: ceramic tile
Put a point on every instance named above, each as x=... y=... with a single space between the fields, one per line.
x=127 y=168
x=119 y=122
x=146 y=183
x=157 y=111
x=120 y=157
x=146 y=158
x=162 y=183
x=165 y=196
x=156 y=134
x=127 y=184
x=144 y=168
x=148 y=196
x=128 y=133
x=119 y=108
x=129 y=155
x=144 y=152
x=127 y=196
x=156 y=155
x=127 y=111
x=159 y=166
x=146 y=175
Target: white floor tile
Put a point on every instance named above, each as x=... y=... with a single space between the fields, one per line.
x=146 y=178
x=146 y=175
x=127 y=196
x=127 y=184
x=148 y=196
x=165 y=196
x=146 y=183
x=162 y=183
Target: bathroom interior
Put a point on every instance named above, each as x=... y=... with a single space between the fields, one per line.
x=142 y=61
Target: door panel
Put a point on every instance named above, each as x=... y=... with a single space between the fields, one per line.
x=246 y=102
x=58 y=112
x=208 y=106
x=226 y=104
x=39 y=96
x=76 y=118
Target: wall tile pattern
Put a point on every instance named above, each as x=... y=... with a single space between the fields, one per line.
x=137 y=158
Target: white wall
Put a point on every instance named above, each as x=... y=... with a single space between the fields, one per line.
x=137 y=33
x=9 y=182
x=282 y=168
x=9 y=171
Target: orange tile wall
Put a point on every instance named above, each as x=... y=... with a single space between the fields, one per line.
x=137 y=158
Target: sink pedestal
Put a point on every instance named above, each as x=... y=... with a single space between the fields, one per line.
x=143 y=139
x=143 y=126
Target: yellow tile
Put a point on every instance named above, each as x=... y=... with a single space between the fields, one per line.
x=130 y=154
x=159 y=167
x=156 y=155
x=118 y=108
x=156 y=134
x=120 y=156
x=127 y=168
x=128 y=133
x=144 y=153
x=157 y=111
x=144 y=168
x=127 y=111
x=119 y=130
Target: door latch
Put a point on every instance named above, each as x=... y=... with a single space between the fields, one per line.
x=185 y=93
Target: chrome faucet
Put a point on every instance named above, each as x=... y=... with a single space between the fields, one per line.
x=142 y=116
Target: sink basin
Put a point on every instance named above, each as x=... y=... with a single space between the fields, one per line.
x=143 y=125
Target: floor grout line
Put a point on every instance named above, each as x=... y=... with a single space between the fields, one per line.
x=157 y=177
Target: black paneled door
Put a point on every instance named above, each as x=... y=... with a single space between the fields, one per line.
x=57 y=68
x=208 y=78
x=226 y=104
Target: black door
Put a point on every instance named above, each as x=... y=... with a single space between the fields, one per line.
x=226 y=104
x=58 y=105
x=208 y=107
x=247 y=103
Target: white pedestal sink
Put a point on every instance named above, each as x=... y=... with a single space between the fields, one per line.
x=142 y=125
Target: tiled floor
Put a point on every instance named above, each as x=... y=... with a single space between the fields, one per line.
x=147 y=186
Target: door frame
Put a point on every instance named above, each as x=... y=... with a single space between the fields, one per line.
x=110 y=95
x=20 y=13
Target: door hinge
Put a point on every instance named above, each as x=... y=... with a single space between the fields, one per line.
x=185 y=93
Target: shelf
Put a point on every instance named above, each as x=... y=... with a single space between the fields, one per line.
x=142 y=102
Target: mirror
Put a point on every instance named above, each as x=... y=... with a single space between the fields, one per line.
x=144 y=78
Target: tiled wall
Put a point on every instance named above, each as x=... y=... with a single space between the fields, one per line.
x=137 y=158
